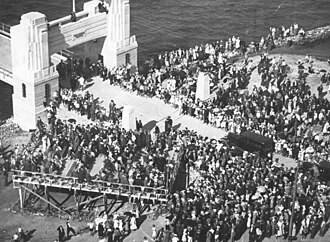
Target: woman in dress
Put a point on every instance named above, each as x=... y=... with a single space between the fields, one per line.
x=154 y=232
x=133 y=225
x=184 y=235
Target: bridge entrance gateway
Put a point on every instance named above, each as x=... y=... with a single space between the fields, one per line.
x=36 y=46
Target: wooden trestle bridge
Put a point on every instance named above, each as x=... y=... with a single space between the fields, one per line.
x=84 y=193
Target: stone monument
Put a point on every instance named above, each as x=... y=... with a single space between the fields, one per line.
x=203 y=86
x=128 y=118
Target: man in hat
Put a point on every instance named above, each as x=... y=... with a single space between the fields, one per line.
x=112 y=107
x=102 y=7
x=61 y=233
x=69 y=229
x=168 y=125
x=40 y=125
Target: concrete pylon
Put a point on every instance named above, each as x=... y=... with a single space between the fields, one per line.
x=33 y=75
x=119 y=47
x=128 y=118
x=203 y=86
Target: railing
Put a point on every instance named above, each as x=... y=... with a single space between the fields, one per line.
x=66 y=53
x=67 y=19
x=127 y=42
x=45 y=72
x=104 y=187
x=5 y=29
x=4 y=74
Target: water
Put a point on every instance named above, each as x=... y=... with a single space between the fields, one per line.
x=167 y=24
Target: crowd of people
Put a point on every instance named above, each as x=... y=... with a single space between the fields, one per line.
x=267 y=110
x=115 y=227
x=233 y=194
x=239 y=193
x=136 y=157
x=259 y=195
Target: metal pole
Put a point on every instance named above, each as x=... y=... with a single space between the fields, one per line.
x=48 y=198
x=105 y=200
x=167 y=175
x=187 y=175
x=20 y=197
x=294 y=201
x=74 y=6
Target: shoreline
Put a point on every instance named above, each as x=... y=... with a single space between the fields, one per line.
x=315 y=43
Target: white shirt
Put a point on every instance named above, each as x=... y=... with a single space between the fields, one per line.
x=175 y=239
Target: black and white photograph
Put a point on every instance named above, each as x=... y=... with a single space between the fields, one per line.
x=164 y=121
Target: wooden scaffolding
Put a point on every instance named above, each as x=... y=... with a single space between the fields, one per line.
x=84 y=193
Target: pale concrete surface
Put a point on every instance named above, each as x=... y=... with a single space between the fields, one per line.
x=98 y=165
x=151 y=109
x=5 y=53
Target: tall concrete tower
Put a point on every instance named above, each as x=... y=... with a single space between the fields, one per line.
x=33 y=77
x=119 y=48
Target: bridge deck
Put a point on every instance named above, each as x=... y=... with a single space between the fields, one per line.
x=5 y=53
x=96 y=186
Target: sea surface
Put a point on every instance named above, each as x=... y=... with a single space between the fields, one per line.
x=168 y=24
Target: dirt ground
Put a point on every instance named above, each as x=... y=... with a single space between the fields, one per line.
x=151 y=112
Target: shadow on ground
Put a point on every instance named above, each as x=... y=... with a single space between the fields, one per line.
x=150 y=125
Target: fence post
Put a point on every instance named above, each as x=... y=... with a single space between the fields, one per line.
x=20 y=197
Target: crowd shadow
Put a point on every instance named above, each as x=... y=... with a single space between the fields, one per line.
x=323 y=94
x=142 y=219
x=150 y=125
x=89 y=83
x=29 y=234
x=176 y=127
x=5 y=151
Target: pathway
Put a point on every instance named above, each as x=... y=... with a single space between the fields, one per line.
x=151 y=110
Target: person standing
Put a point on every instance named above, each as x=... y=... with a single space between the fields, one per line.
x=69 y=229
x=132 y=222
x=81 y=81
x=168 y=125
x=100 y=230
x=61 y=233
x=140 y=125
x=145 y=239
x=116 y=235
x=154 y=232
x=112 y=107
x=128 y=70
x=21 y=234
